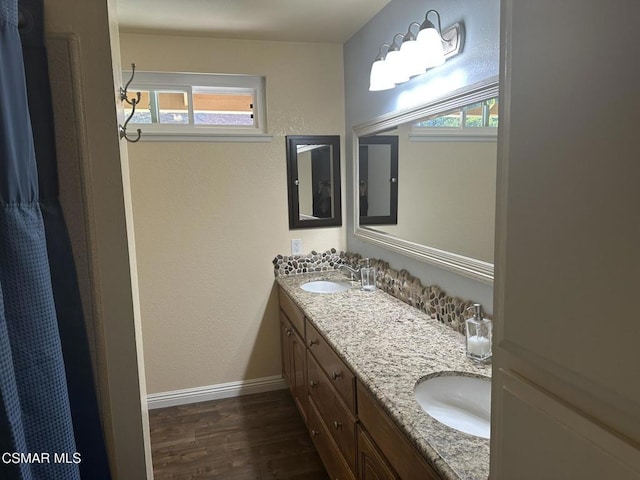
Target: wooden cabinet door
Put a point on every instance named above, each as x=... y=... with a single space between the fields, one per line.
x=298 y=373
x=294 y=370
x=371 y=463
x=393 y=445
x=285 y=333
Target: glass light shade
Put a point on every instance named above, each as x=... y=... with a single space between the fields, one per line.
x=431 y=47
x=379 y=78
x=413 y=58
x=396 y=67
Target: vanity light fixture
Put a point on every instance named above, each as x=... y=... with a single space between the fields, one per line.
x=379 y=78
x=396 y=62
x=430 y=41
x=413 y=54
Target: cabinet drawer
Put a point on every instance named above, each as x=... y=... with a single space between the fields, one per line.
x=394 y=445
x=329 y=453
x=340 y=375
x=337 y=418
x=293 y=313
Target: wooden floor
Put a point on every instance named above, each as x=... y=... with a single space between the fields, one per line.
x=259 y=437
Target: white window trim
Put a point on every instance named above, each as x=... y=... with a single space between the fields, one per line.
x=463 y=133
x=185 y=82
x=453 y=134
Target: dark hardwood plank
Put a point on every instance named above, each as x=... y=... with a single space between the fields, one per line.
x=254 y=437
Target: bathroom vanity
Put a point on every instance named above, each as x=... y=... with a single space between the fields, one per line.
x=352 y=360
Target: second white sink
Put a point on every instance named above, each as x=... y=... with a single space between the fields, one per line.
x=458 y=401
x=324 y=286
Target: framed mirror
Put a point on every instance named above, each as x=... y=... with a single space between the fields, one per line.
x=313 y=181
x=447 y=155
x=378 y=180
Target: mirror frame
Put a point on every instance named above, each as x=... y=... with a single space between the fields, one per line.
x=292 y=142
x=392 y=218
x=469 y=267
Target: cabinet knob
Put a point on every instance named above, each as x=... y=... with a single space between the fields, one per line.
x=313 y=384
x=315 y=433
x=337 y=424
x=335 y=375
x=314 y=342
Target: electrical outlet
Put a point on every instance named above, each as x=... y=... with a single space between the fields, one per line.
x=296 y=246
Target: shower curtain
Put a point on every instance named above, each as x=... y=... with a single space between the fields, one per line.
x=46 y=430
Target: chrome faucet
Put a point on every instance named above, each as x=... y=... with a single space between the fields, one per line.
x=354 y=273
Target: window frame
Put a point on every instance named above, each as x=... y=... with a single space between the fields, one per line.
x=463 y=133
x=215 y=83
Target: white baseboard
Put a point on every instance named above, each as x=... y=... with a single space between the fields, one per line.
x=215 y=392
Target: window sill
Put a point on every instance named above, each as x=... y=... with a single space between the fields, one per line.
x=454 y=135
x=205 y=137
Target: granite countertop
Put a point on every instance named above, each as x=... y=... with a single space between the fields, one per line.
x=390 y=346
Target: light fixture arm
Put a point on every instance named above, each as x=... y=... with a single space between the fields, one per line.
x=394 y=44
x=410 y=35
x=380 y=55
x=426 y=19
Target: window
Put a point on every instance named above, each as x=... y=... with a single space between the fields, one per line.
x=201 y=107
x=473 y=122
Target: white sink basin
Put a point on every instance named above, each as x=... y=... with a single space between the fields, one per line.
x=323 y=286
x=458 y=401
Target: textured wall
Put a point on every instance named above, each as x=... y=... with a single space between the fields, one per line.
x=210 y=217
x=478 y=61
x=102 y=208
x=450 y=184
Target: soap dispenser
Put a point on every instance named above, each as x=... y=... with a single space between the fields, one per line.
x=368 y=276
x=479 y=332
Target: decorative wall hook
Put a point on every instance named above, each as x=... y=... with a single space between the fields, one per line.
x=123 y=90
x=124 y=97
x=122 y=129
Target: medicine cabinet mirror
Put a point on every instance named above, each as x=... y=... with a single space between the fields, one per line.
x=445 y=181
x=313 y=181
x=378 y=180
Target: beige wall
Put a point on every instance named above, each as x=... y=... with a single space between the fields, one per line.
x=449 y=186
x=447 y=195
x=210 y=217
x=565 y=357
x=104 y=210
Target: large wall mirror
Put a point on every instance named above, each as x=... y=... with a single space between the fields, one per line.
x=446 y=181
x=313 y=181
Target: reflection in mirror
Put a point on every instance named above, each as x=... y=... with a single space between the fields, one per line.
x=314 y=177
x=313 y=171
x=378 y=180
x=446 y=200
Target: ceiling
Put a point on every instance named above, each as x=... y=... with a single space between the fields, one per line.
x=327 y=21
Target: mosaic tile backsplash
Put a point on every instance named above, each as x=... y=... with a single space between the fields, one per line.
x=431 y=299
x=313 y=262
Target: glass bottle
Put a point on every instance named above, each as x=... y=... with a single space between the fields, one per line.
x=368 y=277
x=479 y=333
